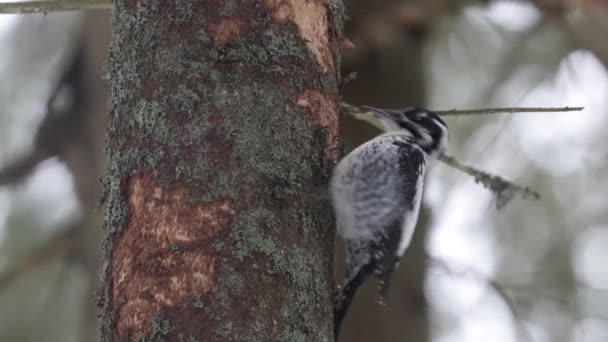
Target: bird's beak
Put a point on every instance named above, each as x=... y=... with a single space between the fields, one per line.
x=373 y=116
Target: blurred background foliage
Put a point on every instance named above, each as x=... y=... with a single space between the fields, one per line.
x=533 y=271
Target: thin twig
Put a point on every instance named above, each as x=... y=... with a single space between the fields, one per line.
x=462 y=112
x=350 y=77
x=352 y=109
x=52 y=6
x=502 y=188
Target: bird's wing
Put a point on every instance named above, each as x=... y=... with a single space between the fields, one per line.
x=389 y=174
x=385 y=187
x=388 y=205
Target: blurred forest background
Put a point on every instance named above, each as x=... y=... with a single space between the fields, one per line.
x=533 y=271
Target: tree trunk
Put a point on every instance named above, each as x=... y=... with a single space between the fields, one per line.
x=223 y=123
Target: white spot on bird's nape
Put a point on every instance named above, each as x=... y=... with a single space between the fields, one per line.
x=427 y=140
x=444 y=136
x=421 y=114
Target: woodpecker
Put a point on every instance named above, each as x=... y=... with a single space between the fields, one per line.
x=376 y=191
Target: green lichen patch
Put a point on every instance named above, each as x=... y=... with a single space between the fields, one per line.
x=161 y=328
x=197 y=301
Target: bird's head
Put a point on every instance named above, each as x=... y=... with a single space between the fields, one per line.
x=423 y=127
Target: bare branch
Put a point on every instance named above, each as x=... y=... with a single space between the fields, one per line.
x=59 y=128
x=52 y=6
x=21 y=168
x=57 y=245
x=462 y=112
x=502 y=188
x=499 y=289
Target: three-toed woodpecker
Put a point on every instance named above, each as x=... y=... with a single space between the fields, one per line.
x=376 y=191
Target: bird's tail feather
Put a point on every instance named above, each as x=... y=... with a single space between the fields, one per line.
x=347 y=295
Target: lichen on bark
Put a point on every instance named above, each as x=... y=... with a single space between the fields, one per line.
x=223 y=123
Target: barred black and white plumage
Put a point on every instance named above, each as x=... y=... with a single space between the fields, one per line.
x=376 y=192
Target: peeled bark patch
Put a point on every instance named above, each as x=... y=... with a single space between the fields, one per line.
x=225 y=29
x=310 y=17
x=163 y=256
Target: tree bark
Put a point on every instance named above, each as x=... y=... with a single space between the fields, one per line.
x=223 y=123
